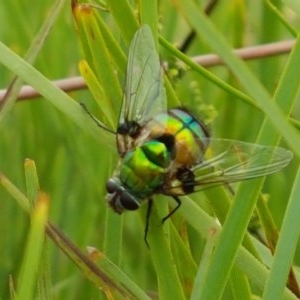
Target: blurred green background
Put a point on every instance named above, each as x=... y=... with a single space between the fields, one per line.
x=73 y=167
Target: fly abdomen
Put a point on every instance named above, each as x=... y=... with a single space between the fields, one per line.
x=185 y=137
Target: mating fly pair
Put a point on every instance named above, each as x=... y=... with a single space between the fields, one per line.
x=169 y=151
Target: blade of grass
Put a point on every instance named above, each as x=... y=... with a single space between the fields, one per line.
x=106 y=107
x=241 y=210
x=112 y=280
x=100 y=62
x=239 y=284
x=115 y=50
x=183 y=259
x=267 y=34
x=111 y=43
x=267 y=222
x=124 y=16
x=239 y=216
x=205 y=224
x=228 y=243
x=107 y=276
x=286 y=247
x=120 y=277
x=286 y=93
x=103 y=53
x=30 y=56
x=15 y=192
x=281 y=18
x=58 y=98
x=113 y=235
x=33 y=252
x=217 y=42
x=32 y=182
x=169 y=285
x=202 y=269
x=246 y=196
x=33 y=190
x=207 y=74
x=149 y=15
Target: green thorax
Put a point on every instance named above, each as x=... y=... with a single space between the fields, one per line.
x=144 y=168
x=169 y=141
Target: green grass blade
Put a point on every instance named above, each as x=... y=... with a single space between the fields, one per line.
x=207 y=74
x=202 y=268
x=122 y=279
x=169 y=285
x=287 y=243
x=125 y=18
x=108 y=116
x=149 y=15
x=241 y=209
x=33 y=191
x=110 y=278
x=33 y=252
x=217 y=42
x=31 y=55
x=32 y=182
x=205 y=225
x=15 y=192
x=113 y=237
x=239 y=284
x=58 y=98
x=96 y=43
x=182 y=256
x=280 y=16
x=113 y=44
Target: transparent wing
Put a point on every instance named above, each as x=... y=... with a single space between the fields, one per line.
x=226 y=161
x=144 y=93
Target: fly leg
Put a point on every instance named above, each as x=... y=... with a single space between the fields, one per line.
x=149 y=208
x=172 y=211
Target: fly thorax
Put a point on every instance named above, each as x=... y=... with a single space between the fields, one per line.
x=119 y=198
x=157 y=152
x=144 y=168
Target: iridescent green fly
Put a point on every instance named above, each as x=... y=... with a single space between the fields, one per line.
x=170 y=151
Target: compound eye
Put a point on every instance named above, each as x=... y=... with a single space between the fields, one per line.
x=128 y=201
x=111 y=186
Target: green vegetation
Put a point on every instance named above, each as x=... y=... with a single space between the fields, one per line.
x=54 y=161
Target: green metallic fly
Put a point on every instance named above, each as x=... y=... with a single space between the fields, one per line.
x=170 y=151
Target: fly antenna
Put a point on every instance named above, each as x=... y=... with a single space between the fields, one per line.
x=98 y=123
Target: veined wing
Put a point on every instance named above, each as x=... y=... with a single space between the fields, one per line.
x=227 y=161
x=144 y=93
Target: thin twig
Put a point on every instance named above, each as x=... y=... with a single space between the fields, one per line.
x=67 y=85
x=209 y=60
x=247 y=53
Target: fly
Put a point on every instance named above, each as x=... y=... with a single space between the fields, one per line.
x=170 y=151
